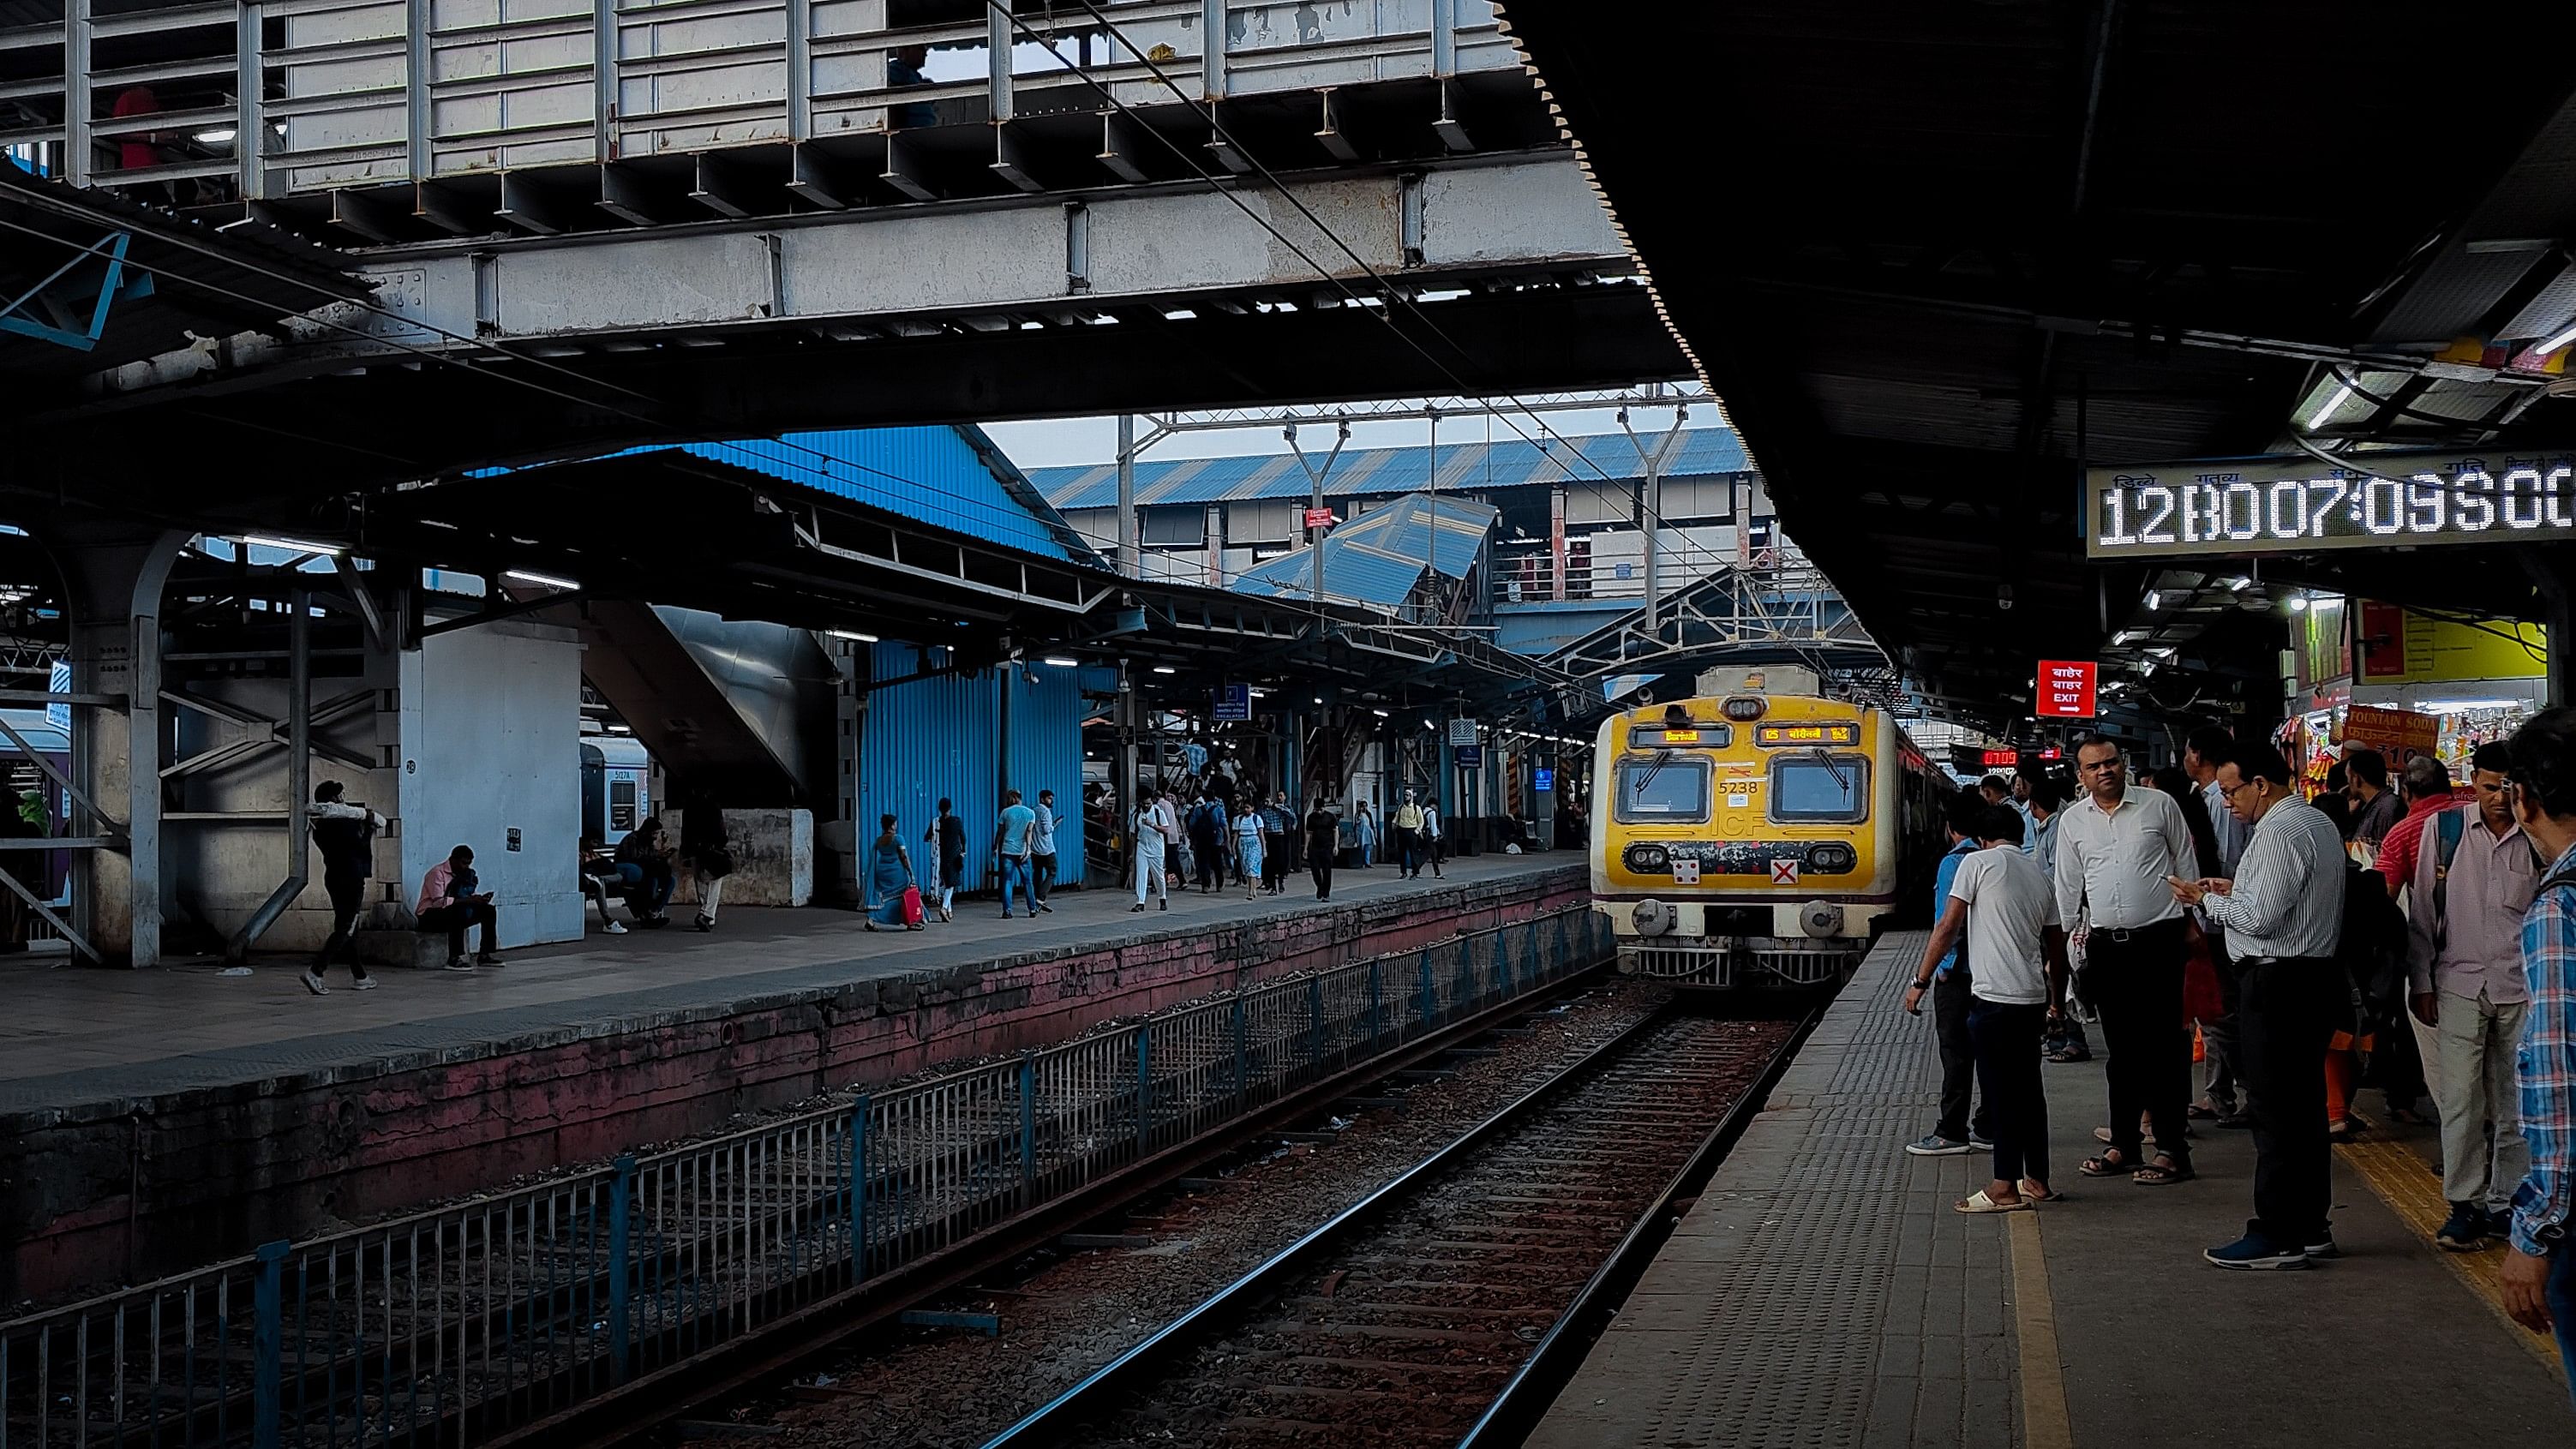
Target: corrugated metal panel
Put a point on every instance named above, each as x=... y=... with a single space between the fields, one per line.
x=1377 y=559
x=1513 y=464
x=1046 y=753
x=929 y=739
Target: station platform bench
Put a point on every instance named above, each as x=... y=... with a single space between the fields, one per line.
x=1822 y=1292
x=151 y=1120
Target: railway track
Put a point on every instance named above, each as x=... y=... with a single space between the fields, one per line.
x=1441 y=1309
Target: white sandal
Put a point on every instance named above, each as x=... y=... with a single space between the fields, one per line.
x=1978 y=1202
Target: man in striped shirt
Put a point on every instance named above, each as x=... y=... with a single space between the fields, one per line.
x=2539 y=1274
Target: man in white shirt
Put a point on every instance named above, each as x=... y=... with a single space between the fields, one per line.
x=2004 y=904
x=2203 y=752
x=1042 y=848
x=2283 y=911
x=2116 y=848
x=1154 y=828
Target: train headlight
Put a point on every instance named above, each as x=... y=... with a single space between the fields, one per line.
x=1832 y=858
x=1744 y=707
x=1649 y=860
x=1655 y=918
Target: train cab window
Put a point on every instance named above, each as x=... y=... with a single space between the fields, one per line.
x=1666 y=788
x=1815 y=789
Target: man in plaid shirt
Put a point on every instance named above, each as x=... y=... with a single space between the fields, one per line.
x=2540 y=1273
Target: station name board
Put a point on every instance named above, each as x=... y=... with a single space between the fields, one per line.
x=2291 y=505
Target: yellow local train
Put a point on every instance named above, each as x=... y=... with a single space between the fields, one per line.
x=1758 y=836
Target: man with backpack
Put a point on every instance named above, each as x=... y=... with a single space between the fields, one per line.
x=2283 y=914
x=2474 y=877
x=2539 y=1274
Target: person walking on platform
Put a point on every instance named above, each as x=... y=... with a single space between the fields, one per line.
x=2375 y=809
x=2116 y=849
x=1279 y=829
x=1948 y=981
x=1153 y=830
x=1364 y=826
x=1249 y=827
x=1208 y=833
x=890 y=876
x=1408 y=837
x=345 y=834
x=2407 y=1064
x=1433 y=837
x=709 y=852
x=947 y=835
x=2283 y=912
x=2473 y=880
x=1323 y=842
x=2003 y=904
x=1011 y=833
x=1042 y=849
x=451 y=902
x=2539 y=1274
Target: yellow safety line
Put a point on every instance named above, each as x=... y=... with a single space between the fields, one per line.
x=2043 y=1381
x=2397 y=1173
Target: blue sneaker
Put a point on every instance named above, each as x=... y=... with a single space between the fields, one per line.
x=1937 y=1145
x=2465 y=1231
x=1980 y=1141
x=2257 y=1252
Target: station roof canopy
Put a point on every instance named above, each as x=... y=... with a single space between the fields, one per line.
x=1379 y=558
x=1365 y=472
x=89 y=279
x=1966 y=249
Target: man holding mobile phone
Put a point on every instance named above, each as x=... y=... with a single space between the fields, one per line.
x=450 y=902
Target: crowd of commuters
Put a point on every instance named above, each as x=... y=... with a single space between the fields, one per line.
x=2221 y=899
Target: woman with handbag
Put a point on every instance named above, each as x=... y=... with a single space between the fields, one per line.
x=892 y=883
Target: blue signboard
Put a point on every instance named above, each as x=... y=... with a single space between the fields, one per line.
x=1233 y=703
x=1469 y=757
x=1542 y=779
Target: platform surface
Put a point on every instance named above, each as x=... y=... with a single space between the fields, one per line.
x=1822 y=1293
x=72 y=1036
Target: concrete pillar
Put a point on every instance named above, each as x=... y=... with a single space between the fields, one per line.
x=113 y=576
x=1556 y=542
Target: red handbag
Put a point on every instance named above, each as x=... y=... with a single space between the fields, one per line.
x=912 y=905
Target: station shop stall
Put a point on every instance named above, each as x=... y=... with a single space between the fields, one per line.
x=2408 y=682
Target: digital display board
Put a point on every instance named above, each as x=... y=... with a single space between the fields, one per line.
x=1774 y=735
x=2300 y=505
x=1665 y=737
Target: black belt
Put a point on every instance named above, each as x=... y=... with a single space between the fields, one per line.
x=2285 y=960
x=2127 y=933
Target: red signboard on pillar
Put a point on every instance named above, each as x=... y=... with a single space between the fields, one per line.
x=1319 y=518
x=2066 y=688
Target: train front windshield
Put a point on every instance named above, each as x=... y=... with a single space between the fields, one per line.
x=1820 y=791
x=1663 y=789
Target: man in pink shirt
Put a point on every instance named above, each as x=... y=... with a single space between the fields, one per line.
x=2474 y=878
x=450 y=902
x=2426 y=784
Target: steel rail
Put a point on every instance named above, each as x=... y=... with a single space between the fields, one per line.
x=817 y=1330
x=1533 y=1387
x=1093 y=1399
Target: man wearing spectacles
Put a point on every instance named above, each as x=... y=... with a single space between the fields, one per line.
x=2283 y=914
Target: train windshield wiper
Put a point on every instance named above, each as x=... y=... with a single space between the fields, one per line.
x=1662 y=758
x=1841 y=786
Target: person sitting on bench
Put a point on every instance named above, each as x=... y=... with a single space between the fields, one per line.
x=450 y=902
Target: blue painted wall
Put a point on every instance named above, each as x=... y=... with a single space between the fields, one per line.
x=926 y=739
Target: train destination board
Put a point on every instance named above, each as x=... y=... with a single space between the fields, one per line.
x=2300 y=505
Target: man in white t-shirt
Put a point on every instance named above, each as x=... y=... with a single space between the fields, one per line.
x=2007 y=908
x=1155 y=828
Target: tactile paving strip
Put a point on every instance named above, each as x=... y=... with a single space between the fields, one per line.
x=1838 y=1301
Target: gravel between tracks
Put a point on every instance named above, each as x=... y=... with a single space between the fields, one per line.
x=938 y=1389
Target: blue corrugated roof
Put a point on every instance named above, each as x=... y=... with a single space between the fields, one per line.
x=1515 y=464
x=1379 y=557
x=949 y=477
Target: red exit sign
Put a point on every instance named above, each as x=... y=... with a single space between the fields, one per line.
x=2066 y=688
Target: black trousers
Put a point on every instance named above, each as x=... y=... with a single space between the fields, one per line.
x=1322 y=870
x=455 y=919
x=1950 y=1001
x=1210 y=858
x=2007 y=1039
x=2285 y=1017
x=348 y=897
x=2137 y=986
x=1042 y=871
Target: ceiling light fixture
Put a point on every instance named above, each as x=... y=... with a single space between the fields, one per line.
x=543 y=581
x=853 y=635
x=1165 y=669
x=291 y=545
x=1062 y=662
x=2341 y=394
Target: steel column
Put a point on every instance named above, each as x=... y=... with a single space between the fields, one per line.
x=603 y=79
x=115 y=577
x=416 y=95
x=1128 y=562
x=1212 y=53
x=997 y=59
x=299 y=775
x=800 y=71
x=250 y=103
x=76 y=92
x=1315 y=490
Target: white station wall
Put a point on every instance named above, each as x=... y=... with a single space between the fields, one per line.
x=492 y=743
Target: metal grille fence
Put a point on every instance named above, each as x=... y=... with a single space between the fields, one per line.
x=455 y=1326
